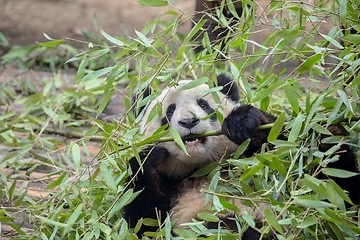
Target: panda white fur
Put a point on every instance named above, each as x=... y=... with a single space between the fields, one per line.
x=164 y=182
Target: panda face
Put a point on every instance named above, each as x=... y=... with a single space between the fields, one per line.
x=190 y=111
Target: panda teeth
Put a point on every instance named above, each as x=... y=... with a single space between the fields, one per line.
x=194 y=140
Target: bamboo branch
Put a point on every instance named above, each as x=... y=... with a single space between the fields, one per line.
x=352 y=76
x=78 y=135
x=261 y=128
x=217 y=133
x=71 y=134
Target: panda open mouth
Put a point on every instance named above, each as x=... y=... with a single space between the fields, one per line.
x=193 y=138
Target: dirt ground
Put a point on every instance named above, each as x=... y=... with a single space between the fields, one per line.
x=25 y=21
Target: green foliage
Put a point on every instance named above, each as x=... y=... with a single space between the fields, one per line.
x=83 y=192
x=42 y=56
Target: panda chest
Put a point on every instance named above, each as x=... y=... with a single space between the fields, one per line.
x=179 y=168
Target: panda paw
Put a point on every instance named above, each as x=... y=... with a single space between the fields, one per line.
x=154 y=155
x=242 y=123
x=151 y=157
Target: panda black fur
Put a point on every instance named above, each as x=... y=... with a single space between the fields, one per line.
x=164 y=176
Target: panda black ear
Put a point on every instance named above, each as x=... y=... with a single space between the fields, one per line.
x=230 y=87
x=136 y=110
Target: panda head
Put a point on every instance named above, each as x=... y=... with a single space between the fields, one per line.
x=192 y=111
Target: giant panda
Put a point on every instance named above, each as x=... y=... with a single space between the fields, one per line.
x=164 y=175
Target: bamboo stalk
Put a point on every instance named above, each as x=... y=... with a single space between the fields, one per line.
x=217 y=133
x=72 y=134
x=261 y=128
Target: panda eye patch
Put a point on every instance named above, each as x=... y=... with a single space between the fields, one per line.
x=206 y=107
x=203 y=104
x=170 y=110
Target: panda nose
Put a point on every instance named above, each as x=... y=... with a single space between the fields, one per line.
x=189 y=122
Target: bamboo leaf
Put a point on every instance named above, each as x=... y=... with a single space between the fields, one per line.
x=234 y=70
x=12 y=189
x=338 y=219
x=123 y=200
x=241 y=149
x=311 y=220
x=208 y=217
x=314 y=108
x=277 y=128
x=248 y=219
x=279 y=166
x=251 y=172
x=343 y=11
x=334 y=172
x=112 y=39
x=97 y=73
x=3 y=41
x=309 y=63
x=345 y=100
x=74 y=216
x=20 y=198
x=211 y=90
x=296 y=128
x=271 y=219
x=52 y=222
x=194 y=30
x=321 y=129
x=177 y=138
x=150 y=222
x=332 y=41
x=333 y=196
x=107 y=176
x=194 y=83
x=7 y=115
x=57 y=182
x=81 y=69
x=76 y=156
x=47 y=36
x=339 y=191
x=313 y=203
x=155 y=111
x=292 y=97
x=205 y=170
x=232 y=9
x=143 y=39
x=214 y=182
x=263 y=93
x=185 y=234
x=352 y=38
x=108 y=93
x=153 y=3
x=51 y=43
x=168 y=228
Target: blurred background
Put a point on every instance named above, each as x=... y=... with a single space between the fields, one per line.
x=25 y=21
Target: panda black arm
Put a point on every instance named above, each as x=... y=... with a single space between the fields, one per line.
x=153 y=195
x=242 y=123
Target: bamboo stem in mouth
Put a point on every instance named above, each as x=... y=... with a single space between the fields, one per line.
x=261 y=128
x=217 y=133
